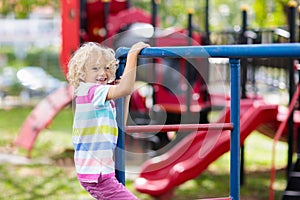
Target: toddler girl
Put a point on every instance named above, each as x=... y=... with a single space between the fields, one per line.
x=95 y=131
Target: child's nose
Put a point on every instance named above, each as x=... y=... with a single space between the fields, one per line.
x=101 y=71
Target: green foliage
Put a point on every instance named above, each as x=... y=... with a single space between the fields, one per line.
x=39 y=181
x=269 y=14
x=279 y=14
x=261 y=13
x=15 y=89
x=22 y=8
x=47 y=59
x=174 y=12
x=9 y=53
x=223 y=14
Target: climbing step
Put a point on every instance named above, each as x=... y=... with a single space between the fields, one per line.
x=291 y=195
x=294 y=181
x=292 y=191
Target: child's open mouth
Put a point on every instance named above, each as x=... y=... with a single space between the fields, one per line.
x=101 y=80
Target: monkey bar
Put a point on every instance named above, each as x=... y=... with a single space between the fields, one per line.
x=234 y=53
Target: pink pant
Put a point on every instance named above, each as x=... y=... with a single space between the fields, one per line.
x=108 y=189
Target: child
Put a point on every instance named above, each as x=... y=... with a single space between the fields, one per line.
x=95 y=131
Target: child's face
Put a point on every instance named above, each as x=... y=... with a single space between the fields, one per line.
x=99 y=73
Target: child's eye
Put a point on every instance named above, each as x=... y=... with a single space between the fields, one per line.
x=95 y=68
x=107 y=67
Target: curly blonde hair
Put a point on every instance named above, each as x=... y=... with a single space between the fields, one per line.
x=90 y=53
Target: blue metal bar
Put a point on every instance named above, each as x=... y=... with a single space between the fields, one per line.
x=225 y=51
x=235 y=134
x=234 y=52
x=120 y=150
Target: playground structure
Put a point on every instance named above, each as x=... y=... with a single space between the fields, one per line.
x=158 y=178
x=87 y=24
x=95 y=30
x=115 y=24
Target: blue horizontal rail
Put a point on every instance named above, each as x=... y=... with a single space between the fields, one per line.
x=234 y=53
x=224 y=51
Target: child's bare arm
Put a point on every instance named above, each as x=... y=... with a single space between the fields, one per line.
x=125 y=87
x=126 y=104
x=126 y=108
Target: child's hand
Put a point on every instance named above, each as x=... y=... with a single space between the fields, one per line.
x=137 y=47
x=117 y=81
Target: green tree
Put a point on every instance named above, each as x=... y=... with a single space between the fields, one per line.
x=270 y=13
x=224 y=14
x=22 y=8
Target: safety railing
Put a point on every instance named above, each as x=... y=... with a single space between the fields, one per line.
x=234 y=53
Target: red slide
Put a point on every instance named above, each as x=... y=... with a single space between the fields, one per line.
x=193 y=155
x=42 y=115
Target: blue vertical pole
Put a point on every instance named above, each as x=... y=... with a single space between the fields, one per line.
x=120 y=150
x=235 y=134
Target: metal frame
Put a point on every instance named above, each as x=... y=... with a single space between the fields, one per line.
x=234 y=53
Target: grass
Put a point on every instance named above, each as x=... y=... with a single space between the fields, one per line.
x=48 y=177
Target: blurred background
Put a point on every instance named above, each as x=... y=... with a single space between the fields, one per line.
x=31 y=33
x=38 y=36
